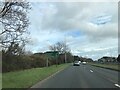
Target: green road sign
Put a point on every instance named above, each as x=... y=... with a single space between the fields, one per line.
x=52 y=53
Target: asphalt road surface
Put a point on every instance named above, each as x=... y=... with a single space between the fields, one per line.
x=83 y=76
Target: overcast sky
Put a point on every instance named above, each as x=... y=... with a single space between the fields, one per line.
x=90 y=28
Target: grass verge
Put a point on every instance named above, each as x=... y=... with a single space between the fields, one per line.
x=0 y=80
x=27 y=78
x=115 y=67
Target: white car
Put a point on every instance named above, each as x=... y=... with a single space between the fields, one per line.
x=83 y=63
x=76 y=63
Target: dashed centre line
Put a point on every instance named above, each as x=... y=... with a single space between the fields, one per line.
x=117 y=85
x=91 y=71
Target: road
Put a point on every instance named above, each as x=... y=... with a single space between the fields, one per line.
x=83 y=76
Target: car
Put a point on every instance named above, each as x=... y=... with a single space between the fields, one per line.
x=84 y=63
x=76 y=63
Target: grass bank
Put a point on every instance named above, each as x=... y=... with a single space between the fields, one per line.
x=107 y=66
x=0 y=80
x=27 y=78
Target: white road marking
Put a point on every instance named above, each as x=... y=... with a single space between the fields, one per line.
x=117 y=85
x=91 y=71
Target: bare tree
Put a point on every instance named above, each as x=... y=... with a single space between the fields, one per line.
x=61 y=47
x=53 y=48
x=14 y=21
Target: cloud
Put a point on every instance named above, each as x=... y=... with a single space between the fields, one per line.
x=102 y=19
x=70 y=16
x=88 y=26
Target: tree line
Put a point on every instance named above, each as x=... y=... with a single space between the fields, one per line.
x=13 y=62
x=106 y=59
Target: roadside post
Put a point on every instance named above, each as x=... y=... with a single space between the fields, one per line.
x=47 y=62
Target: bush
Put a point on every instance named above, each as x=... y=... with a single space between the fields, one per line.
x=21 y=62
x=13 y=63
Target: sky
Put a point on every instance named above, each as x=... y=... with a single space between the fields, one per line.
x=89 y=28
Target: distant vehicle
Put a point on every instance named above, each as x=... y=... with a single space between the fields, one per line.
x=76 y=63
x=84 y=63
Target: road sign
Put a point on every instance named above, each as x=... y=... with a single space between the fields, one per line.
x=52 y=53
